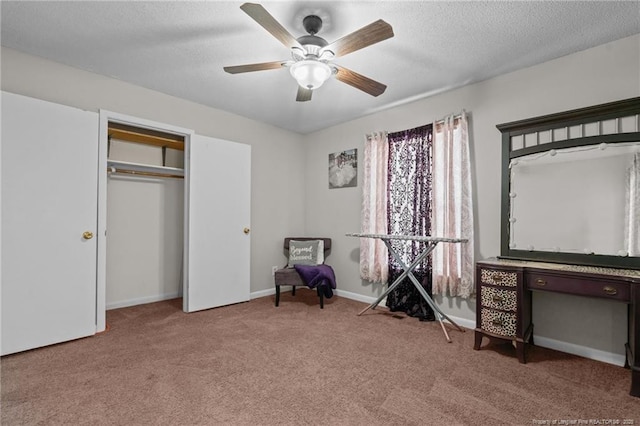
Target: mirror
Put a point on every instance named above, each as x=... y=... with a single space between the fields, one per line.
x=577 y=200
x=571 y=187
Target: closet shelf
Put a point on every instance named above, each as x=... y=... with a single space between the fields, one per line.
x=127 y=166
x=127 y=133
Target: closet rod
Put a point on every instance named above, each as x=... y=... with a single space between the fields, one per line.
x=139 y=173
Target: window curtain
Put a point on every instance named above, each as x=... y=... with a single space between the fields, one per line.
x=409 y=213
x=453 y=264
x=633 y=208
x=373 y=252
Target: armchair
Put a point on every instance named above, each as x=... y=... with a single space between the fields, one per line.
x=288 y=276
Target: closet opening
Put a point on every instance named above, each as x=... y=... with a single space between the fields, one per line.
x=144 y=215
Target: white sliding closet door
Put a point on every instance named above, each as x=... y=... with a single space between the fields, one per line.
x=218 y=197
x=49 y=200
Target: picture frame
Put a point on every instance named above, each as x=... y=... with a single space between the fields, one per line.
x=343 y=169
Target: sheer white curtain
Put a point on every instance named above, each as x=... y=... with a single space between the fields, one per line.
x=373 y=253
x=633 y=208
x=453 y=264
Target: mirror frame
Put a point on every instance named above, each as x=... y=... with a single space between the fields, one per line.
x=563 y=120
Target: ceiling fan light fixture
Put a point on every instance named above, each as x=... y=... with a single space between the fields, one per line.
x=310 y=73
x=311 y=56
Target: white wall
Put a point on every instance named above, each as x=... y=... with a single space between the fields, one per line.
x=277 y=209
x=602 y=74
x=282 y=206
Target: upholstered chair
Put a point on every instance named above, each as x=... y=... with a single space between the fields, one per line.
x=288 y=276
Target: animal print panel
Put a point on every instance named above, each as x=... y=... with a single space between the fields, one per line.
x=496 y=298
x=502 y=278
x=497 y=322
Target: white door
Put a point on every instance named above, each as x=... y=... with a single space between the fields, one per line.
x=217 y=223
x=49 y=200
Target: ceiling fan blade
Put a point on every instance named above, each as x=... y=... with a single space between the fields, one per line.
x=268 y=22
x=359 y=81
x=304 y=94
x=359 y=39
x=254 y=67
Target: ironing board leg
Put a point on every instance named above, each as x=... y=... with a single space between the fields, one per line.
x=402 y=276
x=408 y=272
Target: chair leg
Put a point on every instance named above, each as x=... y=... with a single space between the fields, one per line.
x=321 y=295
x=277 y=295
x=293 y=290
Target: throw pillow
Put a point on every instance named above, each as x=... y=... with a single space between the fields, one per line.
x=309 y=252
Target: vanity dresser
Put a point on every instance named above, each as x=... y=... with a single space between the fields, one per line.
x=570 y=222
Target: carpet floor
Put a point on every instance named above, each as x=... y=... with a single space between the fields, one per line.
x=255 y=364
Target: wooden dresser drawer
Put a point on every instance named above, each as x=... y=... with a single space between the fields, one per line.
x=620 y=291
x=497 y=277
x=497 y=298
x=498 y=322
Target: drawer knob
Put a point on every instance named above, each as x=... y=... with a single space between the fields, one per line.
x=541 y=282
x=497 y=278
x=497 y=322
x=611 y=291
x=498 y=299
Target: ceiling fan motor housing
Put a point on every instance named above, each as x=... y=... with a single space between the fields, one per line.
x=312 y=24
x=311 y=42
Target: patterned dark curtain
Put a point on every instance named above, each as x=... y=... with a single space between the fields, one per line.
x=409 y=213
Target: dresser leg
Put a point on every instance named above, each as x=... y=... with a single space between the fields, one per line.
x=520 y=348
x=478 y=341
x=635 y=383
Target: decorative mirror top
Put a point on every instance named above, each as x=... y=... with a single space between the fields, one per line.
x=571 y=187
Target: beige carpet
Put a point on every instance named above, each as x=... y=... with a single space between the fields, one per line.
x=253 y=363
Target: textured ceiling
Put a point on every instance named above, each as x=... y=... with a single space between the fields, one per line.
x=179 y=48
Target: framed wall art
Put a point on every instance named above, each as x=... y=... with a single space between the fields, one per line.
x=343 y=169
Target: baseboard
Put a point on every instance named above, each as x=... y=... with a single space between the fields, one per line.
x=545 y=342
x=583 y=351
x=356 y=297
x=463 y=322
x=340 y=293
x=143 y=300
x=262 y=293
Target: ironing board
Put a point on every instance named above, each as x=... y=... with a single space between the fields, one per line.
x=431 y=242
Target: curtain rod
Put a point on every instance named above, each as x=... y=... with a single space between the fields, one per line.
x=438 y=122
x=455 y=117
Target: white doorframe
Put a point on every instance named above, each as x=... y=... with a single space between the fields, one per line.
x=105 y=118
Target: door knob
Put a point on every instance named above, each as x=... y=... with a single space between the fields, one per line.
x=246 y=230
x=87 y=235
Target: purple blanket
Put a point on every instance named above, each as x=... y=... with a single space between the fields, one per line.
x=318 y=275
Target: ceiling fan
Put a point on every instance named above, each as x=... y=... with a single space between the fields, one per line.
x=311 y=55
